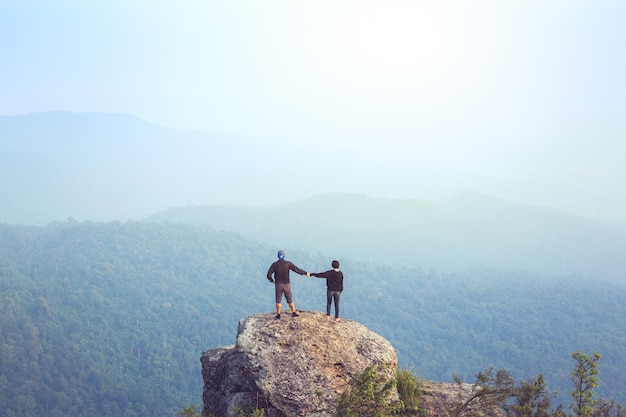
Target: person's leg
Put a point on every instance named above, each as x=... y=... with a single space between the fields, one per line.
x=289 y=297
x=329 y=298
x=336 y=297
x=278 y=295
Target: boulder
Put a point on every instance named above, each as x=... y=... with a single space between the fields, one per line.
x=291 y=367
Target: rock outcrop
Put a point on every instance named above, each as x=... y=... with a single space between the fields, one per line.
x=292 y=367
x=299 y=366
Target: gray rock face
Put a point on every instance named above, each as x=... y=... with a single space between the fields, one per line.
x=295 y=366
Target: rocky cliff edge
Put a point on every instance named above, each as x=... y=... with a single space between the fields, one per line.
x=292 y=367
x=295 y=366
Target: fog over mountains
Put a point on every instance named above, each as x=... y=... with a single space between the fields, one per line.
x=114 y=167
x=463 y=160
x=471 y=280
x=469 y=231
x=96 y=166
x=103 y=167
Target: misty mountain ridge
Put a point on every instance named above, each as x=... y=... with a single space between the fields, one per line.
x=95 y=166
x=103 y=167
x=469 y=231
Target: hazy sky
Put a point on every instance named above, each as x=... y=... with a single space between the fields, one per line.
x=525 y=100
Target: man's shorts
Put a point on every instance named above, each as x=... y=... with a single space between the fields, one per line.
x=283 y=288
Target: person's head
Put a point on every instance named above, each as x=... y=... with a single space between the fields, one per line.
x=281 y=254
x=335 y=264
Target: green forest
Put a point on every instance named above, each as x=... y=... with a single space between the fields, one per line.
x=110 y=319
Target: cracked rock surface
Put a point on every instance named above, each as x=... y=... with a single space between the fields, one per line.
x=295 y=366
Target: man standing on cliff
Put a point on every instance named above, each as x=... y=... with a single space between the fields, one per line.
x=280 y=269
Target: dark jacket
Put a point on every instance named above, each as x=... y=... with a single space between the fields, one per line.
x=281 y=269
x=334 y=279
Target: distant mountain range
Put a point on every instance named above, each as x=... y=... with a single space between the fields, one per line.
x=456 y=286
x=101 y=167
x=94 y=166
x=469 y=231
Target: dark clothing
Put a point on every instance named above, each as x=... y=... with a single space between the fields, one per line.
x=281 y=269
x=330 y=297
x=334 y=287
x=334 y=279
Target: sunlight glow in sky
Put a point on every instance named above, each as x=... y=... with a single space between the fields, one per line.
x=522 y=99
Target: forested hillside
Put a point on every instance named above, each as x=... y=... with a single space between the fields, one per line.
x=102 y=319
x=469 y=231
x=110 y=319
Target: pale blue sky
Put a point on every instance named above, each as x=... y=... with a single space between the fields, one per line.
x=525 y=100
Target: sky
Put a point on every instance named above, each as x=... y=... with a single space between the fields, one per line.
x=523 y=100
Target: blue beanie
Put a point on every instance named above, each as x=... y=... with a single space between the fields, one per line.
x=281 y=254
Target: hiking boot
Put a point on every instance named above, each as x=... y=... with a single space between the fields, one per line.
x=294 y=314
x=277 y=317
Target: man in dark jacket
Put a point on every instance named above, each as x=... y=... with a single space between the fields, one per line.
x=334 y=287
x=280 y=269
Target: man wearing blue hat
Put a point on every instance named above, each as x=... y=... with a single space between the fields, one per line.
x=280 y=269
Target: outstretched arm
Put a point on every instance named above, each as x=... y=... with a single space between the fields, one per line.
x=298 y=270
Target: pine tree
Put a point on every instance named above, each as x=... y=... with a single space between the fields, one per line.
x=585 y=380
